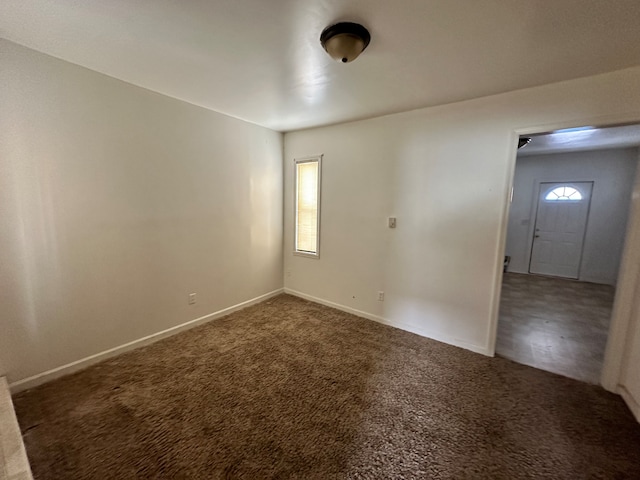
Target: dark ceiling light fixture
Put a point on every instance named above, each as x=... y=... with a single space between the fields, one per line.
x=522 y=141
x=344 y=41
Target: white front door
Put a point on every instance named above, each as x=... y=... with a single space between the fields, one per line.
x=561 y=221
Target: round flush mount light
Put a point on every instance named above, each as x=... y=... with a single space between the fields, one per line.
x=344 y=41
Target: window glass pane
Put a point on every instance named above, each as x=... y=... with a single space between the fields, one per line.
x=563 y=194
x=307 y=207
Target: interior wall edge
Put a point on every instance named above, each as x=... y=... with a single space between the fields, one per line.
x=69 y=368
x=498 y=273
x=628 y=278
x=630 y=401
x=14 y=463
x=483 y=350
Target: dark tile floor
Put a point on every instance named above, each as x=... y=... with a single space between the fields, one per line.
x=555 y=324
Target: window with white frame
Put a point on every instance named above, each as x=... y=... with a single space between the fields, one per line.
x=307 y=206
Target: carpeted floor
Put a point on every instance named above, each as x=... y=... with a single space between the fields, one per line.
x=291 y=389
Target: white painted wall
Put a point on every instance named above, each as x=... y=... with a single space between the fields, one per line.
x=115 y=204
x=612 y=172
x=630 y=380
x=624 y=338
x=445 y=173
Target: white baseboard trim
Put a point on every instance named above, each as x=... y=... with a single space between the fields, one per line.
x=83 y=363
x=402 y=326
x=630 y=401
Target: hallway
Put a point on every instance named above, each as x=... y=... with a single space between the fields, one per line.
x=555 y=324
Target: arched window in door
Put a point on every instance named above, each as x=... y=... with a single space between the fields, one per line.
x=563 y=193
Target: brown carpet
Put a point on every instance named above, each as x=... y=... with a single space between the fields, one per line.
x=291 y=389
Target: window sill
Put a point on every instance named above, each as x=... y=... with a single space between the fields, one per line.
x=306 y=254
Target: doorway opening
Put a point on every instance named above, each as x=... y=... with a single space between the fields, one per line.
x=565 y=237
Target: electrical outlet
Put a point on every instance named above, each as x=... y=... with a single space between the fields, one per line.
x=192 y=299
x=381 y=296
x=392 y=222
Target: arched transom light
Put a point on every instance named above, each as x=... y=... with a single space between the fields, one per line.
x=563 y=193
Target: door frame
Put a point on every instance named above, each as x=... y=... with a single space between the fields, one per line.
x=628 y=275
x=537 y=192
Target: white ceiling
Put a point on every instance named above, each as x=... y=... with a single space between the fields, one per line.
x=260 y=60
x=585 y=138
